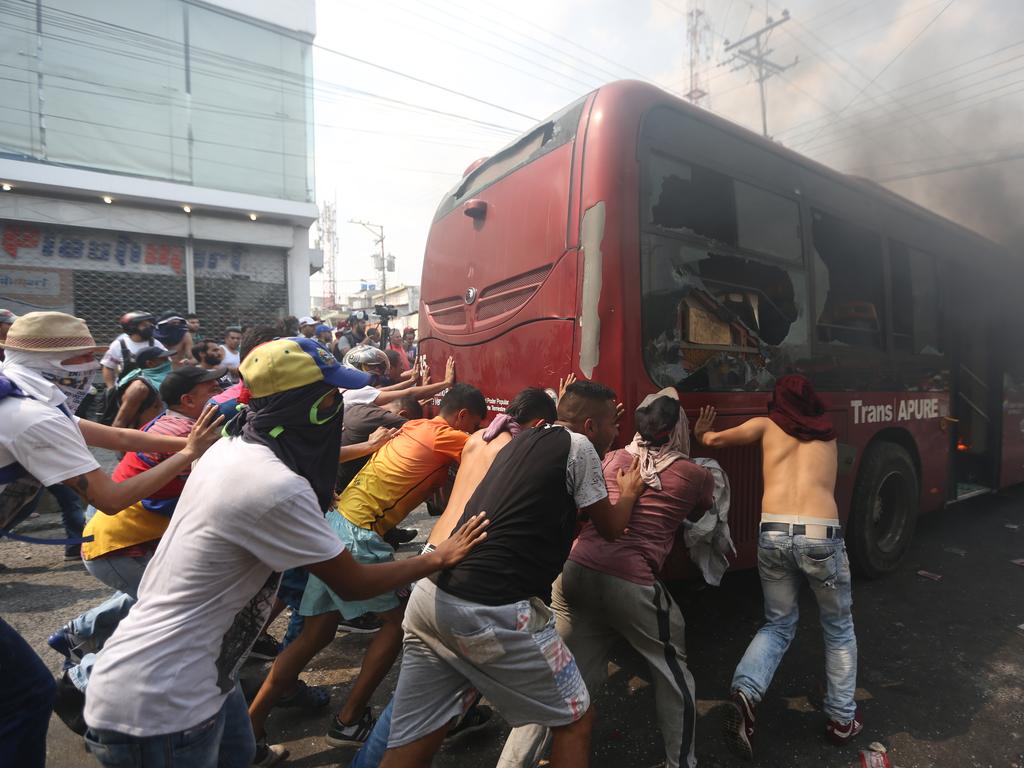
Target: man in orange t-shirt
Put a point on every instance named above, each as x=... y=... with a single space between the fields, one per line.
x=396 y=480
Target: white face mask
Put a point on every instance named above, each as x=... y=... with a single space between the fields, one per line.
x=74 y=381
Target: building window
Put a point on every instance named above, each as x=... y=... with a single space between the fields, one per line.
x=915 y=301
x=849 y=283
x=692 y=200
x=718 y=321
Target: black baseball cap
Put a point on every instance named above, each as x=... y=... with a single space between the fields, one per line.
x=151 y=353
x=182 y=381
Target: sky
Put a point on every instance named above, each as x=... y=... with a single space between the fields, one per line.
x=408 y=93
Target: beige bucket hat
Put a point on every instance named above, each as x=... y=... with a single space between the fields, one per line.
x=50 y=332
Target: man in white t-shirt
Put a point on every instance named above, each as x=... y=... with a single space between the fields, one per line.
x=138 y=335
x=48 y=369
x=165 y=684
x=231 y=346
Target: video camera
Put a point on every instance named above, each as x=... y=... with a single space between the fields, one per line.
x=385 y=312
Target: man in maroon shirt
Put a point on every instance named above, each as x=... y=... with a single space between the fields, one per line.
x=610 y=589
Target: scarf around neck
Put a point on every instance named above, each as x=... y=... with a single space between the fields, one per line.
x=502 y=423
x=655 y=459
x=282 y=422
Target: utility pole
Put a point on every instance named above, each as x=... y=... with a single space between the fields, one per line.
x=382 y=263
x=329 y=244
x=755 y=56
x=698 y=30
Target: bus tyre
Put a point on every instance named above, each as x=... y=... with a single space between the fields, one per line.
x=884 y=510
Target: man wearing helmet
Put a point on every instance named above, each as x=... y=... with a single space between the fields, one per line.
x=375 y=362
x=354 y=336
x=138 y=335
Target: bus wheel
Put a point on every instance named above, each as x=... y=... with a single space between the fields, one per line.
x=884 y=510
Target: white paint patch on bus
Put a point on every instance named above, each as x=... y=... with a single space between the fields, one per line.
x=591 y=237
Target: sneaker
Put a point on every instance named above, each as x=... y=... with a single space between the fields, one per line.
x=366 y=624
x=355 y=735
x=842 y=733
x=265 y=648
x=269 y=754
x=475 y=718
x=64 y=642
x=72 y=554
x=396 y=537
x=739 y=725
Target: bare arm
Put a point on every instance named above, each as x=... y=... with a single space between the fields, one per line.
x=110 y=497
x=377 y=439
x=124 y=440
x=609 y=519
x=424 y=390
x=132 y=399
x=109 y=376
x=355 y=581
x=750 y=431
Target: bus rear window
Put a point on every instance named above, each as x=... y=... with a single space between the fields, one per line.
x=556 y=131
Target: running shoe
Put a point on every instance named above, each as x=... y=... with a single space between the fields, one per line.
x=265 y=648
x=64 y=642
x=269 y=754
x=306 y=697
x=739 y=725
x=355 y=735
x=396 y=537
x=366 y=624
x=841 y=733
x=475 y=719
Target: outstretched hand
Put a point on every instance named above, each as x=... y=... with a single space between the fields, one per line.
x=380 y=436
x=705 y=421
x=452 y=550
x=564 y=384
x=205 y=432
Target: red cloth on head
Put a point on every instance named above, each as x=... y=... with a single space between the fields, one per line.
x=798 y=411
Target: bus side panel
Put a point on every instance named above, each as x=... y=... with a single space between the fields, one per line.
x=1012 y=469
x=916 y=415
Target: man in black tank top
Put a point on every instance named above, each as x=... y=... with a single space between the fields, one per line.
x=484 y=625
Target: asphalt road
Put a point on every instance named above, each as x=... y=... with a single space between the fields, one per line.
x=941 y=671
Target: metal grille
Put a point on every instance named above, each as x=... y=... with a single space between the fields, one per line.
x=100 y=298
x=220 y=303
x=532 y=278
x=500 y=305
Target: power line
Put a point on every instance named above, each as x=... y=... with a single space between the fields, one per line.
x=951 y=168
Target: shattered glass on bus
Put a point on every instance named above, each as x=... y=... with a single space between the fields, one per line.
x=724 y=291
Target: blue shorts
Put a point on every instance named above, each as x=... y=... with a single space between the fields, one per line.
x=366 y=547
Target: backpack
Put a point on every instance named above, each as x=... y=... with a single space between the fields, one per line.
x=112 y=396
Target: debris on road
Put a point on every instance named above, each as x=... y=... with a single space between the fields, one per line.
x=930 y=575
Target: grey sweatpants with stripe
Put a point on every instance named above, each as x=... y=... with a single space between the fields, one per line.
x=593 y=610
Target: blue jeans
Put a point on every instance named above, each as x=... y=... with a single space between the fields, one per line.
x=783 y=561
x=293 y=584
x=372 y=752
x=222 y=741
x=71 y=514
x=26 y=700
x=92 y=629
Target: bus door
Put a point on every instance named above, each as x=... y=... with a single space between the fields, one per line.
x=975 y=393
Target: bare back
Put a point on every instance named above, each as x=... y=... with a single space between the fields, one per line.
x=477 y=457
x=799 y=476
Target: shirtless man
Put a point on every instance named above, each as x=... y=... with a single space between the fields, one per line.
x=800 y=537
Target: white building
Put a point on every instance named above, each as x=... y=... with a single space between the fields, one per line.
x=157 y=154
x=404 y=298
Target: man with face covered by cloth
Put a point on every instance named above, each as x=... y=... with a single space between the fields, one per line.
x=800 y=539
x=165 y=687
x=609 y=589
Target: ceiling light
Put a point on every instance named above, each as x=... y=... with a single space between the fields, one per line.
x=8 y=187
x=186 y=208
x=252 y=217
x=108 y=199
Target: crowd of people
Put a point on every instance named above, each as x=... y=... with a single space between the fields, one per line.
x=546 y=550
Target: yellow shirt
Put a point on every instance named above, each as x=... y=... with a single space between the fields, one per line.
x=400 y=476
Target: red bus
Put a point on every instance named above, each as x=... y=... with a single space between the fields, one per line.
x=640 y=242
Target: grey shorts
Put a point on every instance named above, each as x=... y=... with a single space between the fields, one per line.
x=512 y=654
